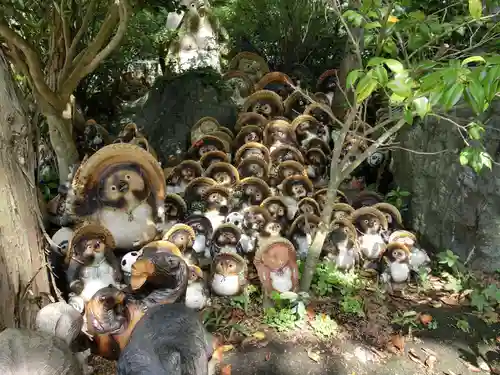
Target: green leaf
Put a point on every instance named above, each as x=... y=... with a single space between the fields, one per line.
x=475 y=130
x=475 y=95
x=404 y=193
x=475 y=8
x=485 y=159
x=394 y=65
x=354 y=17
x=375 y=61
x=380 y=74
x=473 y=59
x=465 y=156
x=422 y=106
x=453 y=95
x=365 y=87
x=352 y=77
x=390 y=47
x=408 y=116
x=396 y=99
x=400 y=87
x=478 y=300
x=372 y=25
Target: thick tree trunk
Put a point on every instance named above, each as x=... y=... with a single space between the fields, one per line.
x=23 y=272
x=63 y=144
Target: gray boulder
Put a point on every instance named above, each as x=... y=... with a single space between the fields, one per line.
x=175 y=104
x=23 y=351
x=451 y=206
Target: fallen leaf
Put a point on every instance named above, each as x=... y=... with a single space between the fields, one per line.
x=313 y=355
x=430 y=361
x=226 y=348
x=398 y=341
x=470 y=366
x=310 y=313
x=425 y=319
x=259 y=335
x=268 y=356
x=226 y=370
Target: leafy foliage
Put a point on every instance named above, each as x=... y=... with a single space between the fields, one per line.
x=300 y=34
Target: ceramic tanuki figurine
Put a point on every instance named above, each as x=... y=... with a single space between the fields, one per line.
x=91 y=263
x=249 y=133
x=370 y=222
x=276 y=265
x=252 y=191
x=175 y=210
x=111 y=320
x=206 y=144
x=229 y=274
x=418 y=256
x=213 y=157
x=344 y=238
x=225 y=238
x=224 y=174
x=203 y=234
x=264 y=102
x=393 y=216
x=182 y=236
x=195 y=191
x=197 y=294
x=216 y=201
x=160 y=275
x=254 y=167
x=182 y=175
x=123 y=188
x=397 y=271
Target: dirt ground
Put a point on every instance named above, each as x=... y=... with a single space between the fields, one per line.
x=444 y=350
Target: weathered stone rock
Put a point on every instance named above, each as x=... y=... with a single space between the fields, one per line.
x=175 y=104
x=451 y=207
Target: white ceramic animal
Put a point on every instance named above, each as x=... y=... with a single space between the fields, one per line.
x=62 y=238
x=281 y=280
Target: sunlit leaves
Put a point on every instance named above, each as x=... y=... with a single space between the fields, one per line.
x=354 y=17
x=473 y=59
x=353 y=77
x=476 y=158
x=475 y=130
x=365 y=87
x=422 y=106
x=452 y=95
x=394 y=65
x=475 y=8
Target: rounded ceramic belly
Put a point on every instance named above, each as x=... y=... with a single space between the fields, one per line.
x=226 y=285
x=126 y=232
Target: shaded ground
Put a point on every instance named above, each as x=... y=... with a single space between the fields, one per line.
x=298 y=353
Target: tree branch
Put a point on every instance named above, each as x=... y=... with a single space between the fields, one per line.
x=370 y=150
x=89 y=15
x=34 y=64
x=81 y=70
x=354 y=42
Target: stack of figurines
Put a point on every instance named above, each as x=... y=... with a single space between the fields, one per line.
x=246 y=197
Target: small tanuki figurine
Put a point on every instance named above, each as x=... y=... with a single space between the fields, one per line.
x=182 y=236
x=397 y=271
x=344 y=237
x=160 y=275
x=216 y=201
x=111 y=320
x=254 y=167
x=393 y=216
x=225 y=238
x=248 y=133
x=252 y=191
x=370 y=222
x=91 y=263
x=418 y=256
x=276 y=265
x=203 y=126
x=229 y=274
x=203 y=230
x=224 y=174
x=195 y=191
x=182 y=175
x=175 y=210
x=206 y=144
x=213 y=157
x=264 y=102
x=277 y=133
x=123 y=188
x=196 y=293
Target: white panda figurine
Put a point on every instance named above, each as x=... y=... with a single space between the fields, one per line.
x=62 y=238
x=235 y=218
x=128 y=260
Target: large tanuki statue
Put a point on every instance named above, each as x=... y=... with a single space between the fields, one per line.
x=198 y=38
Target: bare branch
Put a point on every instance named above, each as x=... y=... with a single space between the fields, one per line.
x=354 y=42
x=371 y=149
x=392 y=147
x=33 y=62
x=89 y=15
x=81 y=70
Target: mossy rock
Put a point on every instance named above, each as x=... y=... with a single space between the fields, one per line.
x=176 y=103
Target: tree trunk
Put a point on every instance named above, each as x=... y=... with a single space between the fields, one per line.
x=22 y=261
x=63 y=144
